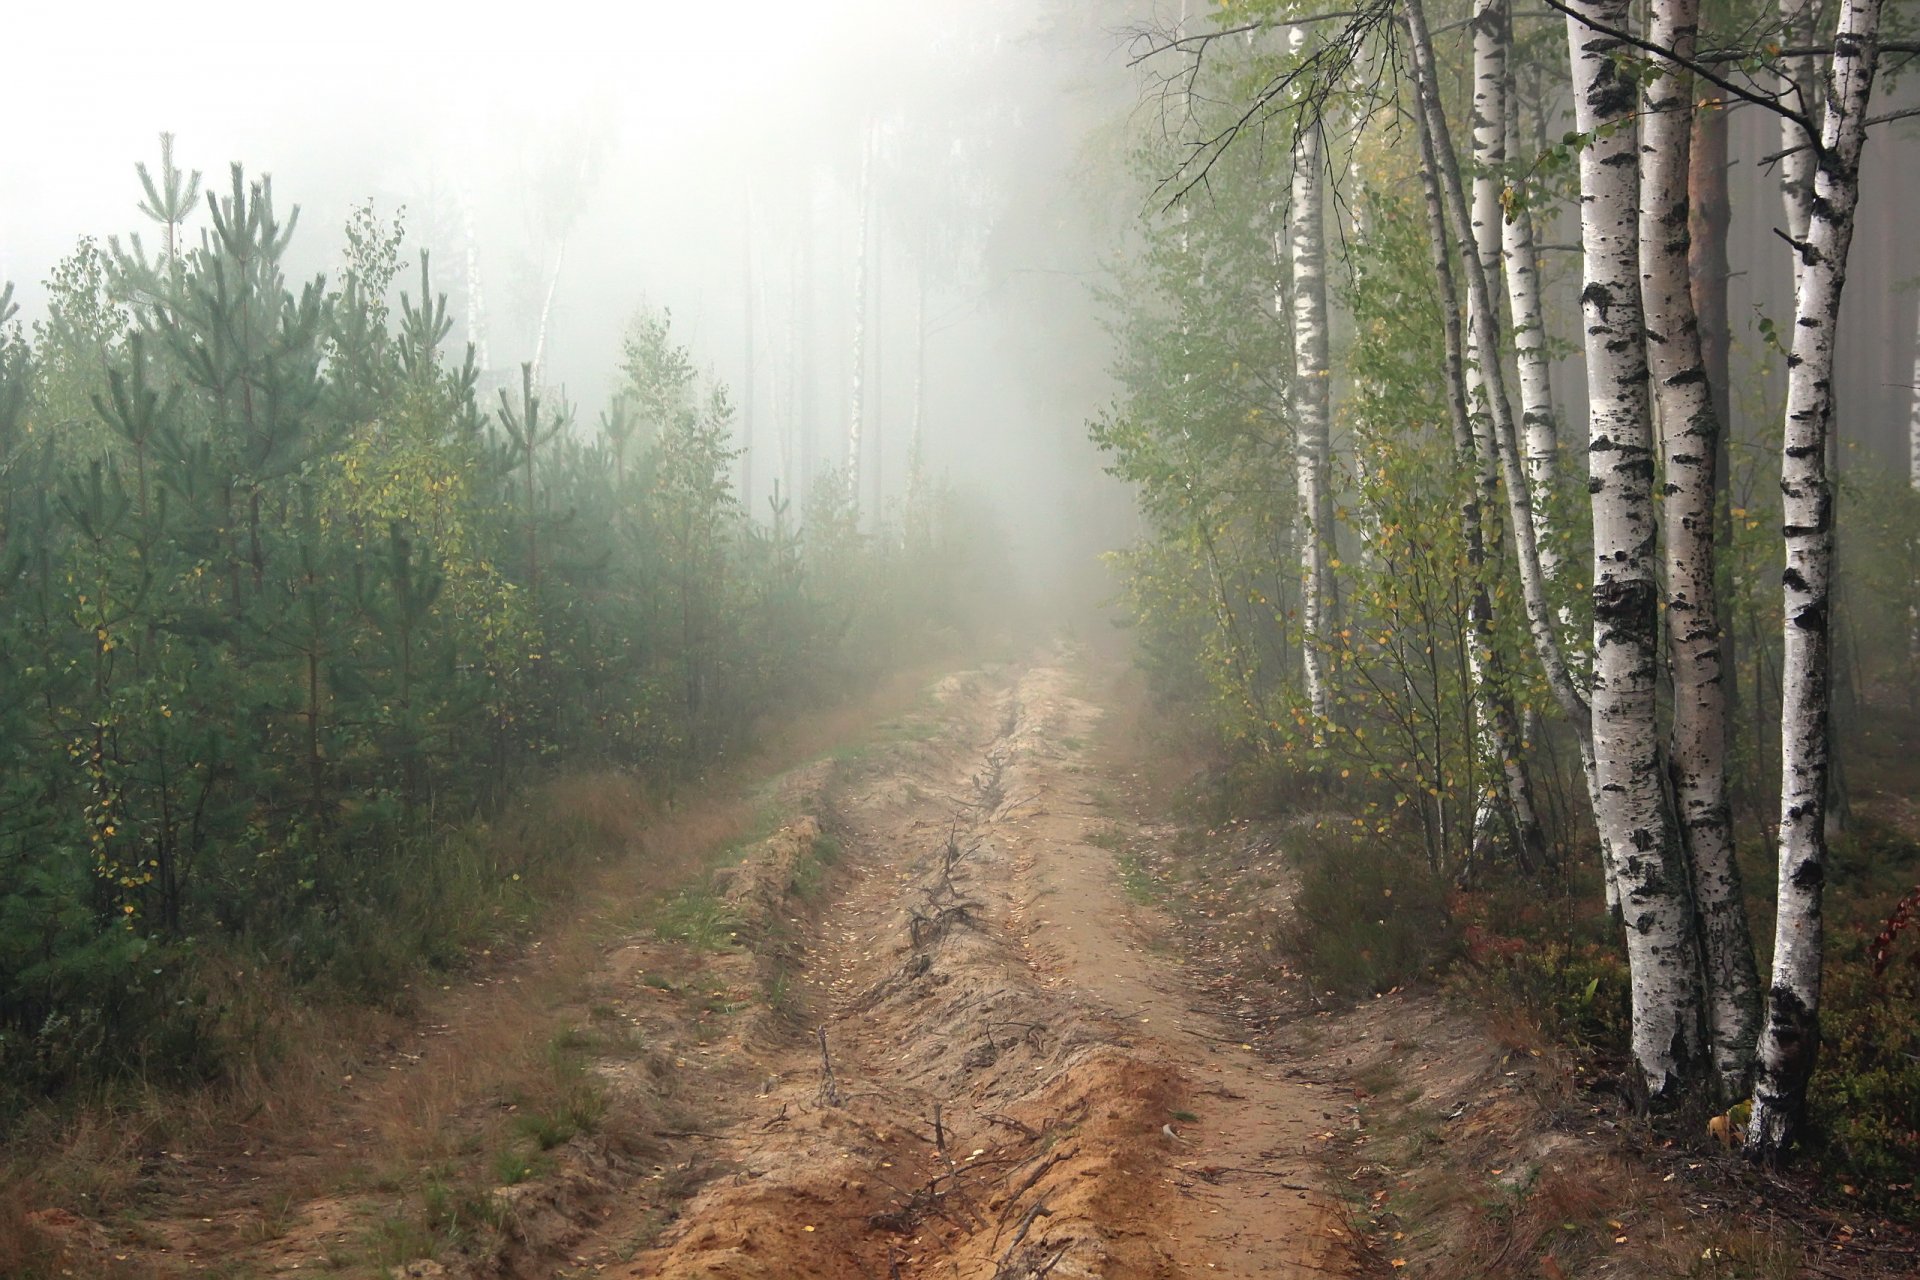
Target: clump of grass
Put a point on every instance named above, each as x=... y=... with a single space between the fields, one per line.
x=1137 y=880
x=512 y=1166
x=810 y=871
x=698 y=917
x=1368 y=913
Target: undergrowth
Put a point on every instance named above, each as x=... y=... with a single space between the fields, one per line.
x=1368 y=914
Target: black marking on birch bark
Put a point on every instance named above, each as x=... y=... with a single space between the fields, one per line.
x=1599 y=297
x=1812 y=617
x=1811 y=873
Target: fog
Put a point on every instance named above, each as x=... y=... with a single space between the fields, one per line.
x=571 y=163
x=575 y=162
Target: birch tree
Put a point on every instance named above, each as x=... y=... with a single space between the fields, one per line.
x=1480 y=313
x=856 y=408
x=1630 y=808
x=1520 y=256
x=1500 y=725
x=1690 y=430
x=1497 y=727
x=1312 y=398
x=1790 y=1037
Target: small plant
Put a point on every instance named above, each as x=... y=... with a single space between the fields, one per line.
x=1136 y=879
x=512 y=1167
x=698 y=917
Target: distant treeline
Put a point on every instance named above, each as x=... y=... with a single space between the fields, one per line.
x=286 y=607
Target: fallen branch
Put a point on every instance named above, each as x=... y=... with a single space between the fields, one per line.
x=1039 y=1210
x=829 y=1089
x=1026 y=1184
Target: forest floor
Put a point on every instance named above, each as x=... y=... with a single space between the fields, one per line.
x=959 y=1015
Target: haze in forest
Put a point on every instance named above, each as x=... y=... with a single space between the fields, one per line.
x=626 y=157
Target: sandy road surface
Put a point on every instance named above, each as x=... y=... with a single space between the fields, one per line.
x=1021 y=1085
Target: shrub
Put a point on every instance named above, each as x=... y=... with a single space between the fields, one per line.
x=1369 y=914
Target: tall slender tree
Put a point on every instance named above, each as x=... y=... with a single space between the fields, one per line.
x=1690 y=430
x=1635 y=823
x=1790 y=1037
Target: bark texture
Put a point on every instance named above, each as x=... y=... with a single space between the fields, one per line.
x=1791 y=1035
x=1516 y=823
x=1312 y=405
x=1539 y=425
x=1540 y=625
x=1690 y=441
x=1635 y=825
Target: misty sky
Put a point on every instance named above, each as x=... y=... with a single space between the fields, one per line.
x=631 y=135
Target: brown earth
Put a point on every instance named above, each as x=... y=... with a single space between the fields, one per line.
x=1013 y=1084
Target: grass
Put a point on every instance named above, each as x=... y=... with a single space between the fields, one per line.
x=810 y=871
x=699 y=918
x=593 y=852
x=1137 y=880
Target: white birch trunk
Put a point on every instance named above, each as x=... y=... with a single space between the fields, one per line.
x=750 y=384
x=916 y=449
x=1791 y=1036
x=1798 y=92
x=1499 y=725
x=1311 y=405
x=1913 y=483
x=1541 y=625
x=546 y=312
x=1496 y=726
x=1634 y=822
x=1540 y=622
x=1690 y=441
x=1539 y=426
x=476 y=300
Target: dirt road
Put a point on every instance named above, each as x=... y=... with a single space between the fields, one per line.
x=1015 y=1082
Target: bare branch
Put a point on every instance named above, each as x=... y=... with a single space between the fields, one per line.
x=1706 y=73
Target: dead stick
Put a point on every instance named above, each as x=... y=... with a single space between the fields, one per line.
x=1026 y=1184
x=1039 y=1210
x=829 y=1091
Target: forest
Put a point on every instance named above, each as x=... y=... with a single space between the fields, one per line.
x=1407 y=507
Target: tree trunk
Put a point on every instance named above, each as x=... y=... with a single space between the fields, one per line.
x=749 y=384
x=1710 y=220
x=1632 y=813
x=1690 y=439
x=1791 y=1036
x=1540 y=623
x=1798 y=92
x=1500 y=727
x=1539 y=424
x=916 y=448
x=1311 y=407
x=1913 y=483
x=1496 y=727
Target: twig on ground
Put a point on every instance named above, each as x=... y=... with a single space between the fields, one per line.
x=1039 y=1210
x=829 y=1090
